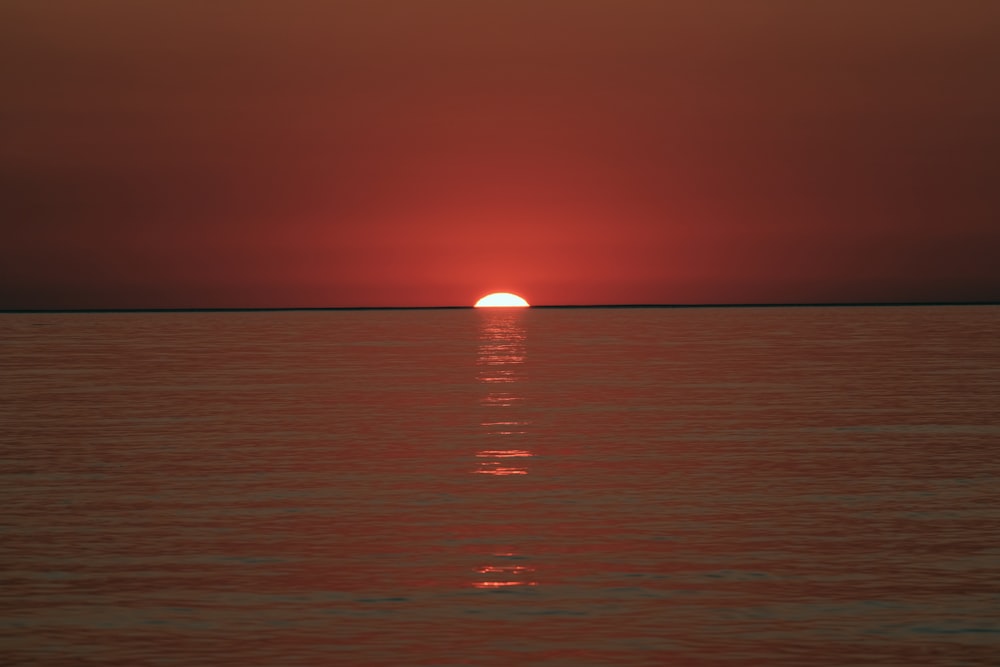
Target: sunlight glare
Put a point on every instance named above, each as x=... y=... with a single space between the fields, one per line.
x=501 y=300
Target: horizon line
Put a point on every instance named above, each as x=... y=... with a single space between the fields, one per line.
x=253 y=309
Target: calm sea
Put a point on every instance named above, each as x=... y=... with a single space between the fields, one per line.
x=787 y=486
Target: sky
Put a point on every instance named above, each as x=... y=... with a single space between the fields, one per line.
x=307 y=153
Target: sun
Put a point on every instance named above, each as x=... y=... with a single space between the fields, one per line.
x=502 y=300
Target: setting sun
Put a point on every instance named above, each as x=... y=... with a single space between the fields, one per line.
x=501 y=300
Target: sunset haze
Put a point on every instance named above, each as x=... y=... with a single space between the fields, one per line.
x=317 y=154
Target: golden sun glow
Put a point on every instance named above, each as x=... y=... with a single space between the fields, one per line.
x=501 y=300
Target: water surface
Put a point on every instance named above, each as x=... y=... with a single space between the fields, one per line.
x=530 y=487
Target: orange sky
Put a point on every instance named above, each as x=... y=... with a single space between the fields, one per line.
x=421 y=153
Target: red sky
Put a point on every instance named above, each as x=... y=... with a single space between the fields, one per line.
x=424 y=152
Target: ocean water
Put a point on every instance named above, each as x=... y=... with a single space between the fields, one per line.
x=786 y=486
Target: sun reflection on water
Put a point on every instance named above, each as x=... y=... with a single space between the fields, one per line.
x=500 y=368
x=505 y=576
x=505 y=429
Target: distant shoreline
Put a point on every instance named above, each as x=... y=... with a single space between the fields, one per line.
x=901 y=304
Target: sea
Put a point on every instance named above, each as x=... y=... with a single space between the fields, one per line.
x=539 y=486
